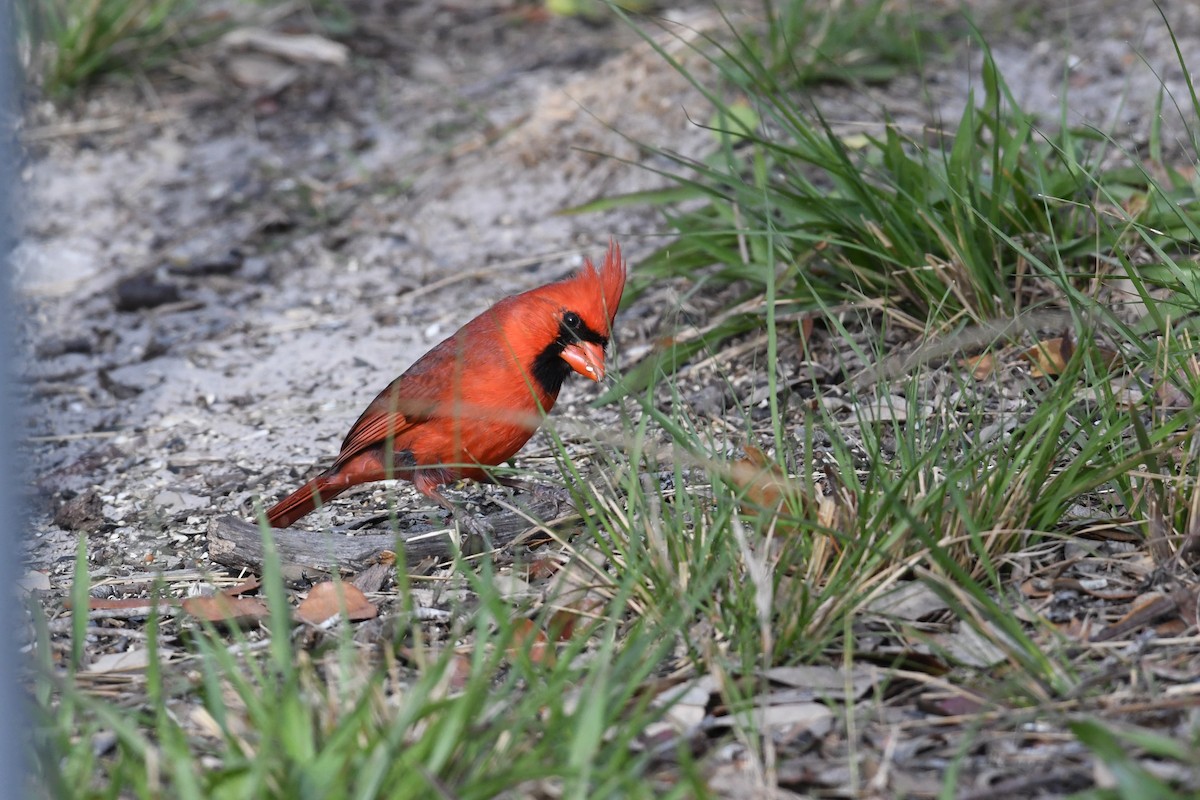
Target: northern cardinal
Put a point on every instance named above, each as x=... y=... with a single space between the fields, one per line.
x=475 y=399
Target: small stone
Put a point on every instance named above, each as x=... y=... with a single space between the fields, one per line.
x=144 y=291
x=172 y=501
x=83 y=513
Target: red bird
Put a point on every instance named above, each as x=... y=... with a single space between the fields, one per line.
x=475 y=399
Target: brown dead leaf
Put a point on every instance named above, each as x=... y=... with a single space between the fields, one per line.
x=131 y=604
x=1172 y=627
x=245 y=587
x=665 y=342
x=981 y=366
x=544 y=568
x=1049 y=357
x=1149 y=603
x=562 y=625
x=460 y=671
x=954 y=705
x=761 y=479
x=806 y=327
x=328 y=599
x=529 y=638
x=145 y=604
x=110 y=603
x=908 y=659
x=1036 y=588
x=221 y=609
x=1108 y=357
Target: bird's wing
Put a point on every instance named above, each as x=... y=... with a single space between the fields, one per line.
x=371 y=429
x=407 y=402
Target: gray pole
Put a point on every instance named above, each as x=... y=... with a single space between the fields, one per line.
x=12 y=711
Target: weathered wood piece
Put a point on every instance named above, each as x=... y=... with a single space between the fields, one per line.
x=237 y=544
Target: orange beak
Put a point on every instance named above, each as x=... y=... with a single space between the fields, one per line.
x=586 y=358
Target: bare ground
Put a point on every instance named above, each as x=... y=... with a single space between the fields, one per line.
x=217 y=277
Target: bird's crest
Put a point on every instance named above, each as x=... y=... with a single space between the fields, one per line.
x=607 y=283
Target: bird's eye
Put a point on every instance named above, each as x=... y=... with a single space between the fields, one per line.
x=572 y=320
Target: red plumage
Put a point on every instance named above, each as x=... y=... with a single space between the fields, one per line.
x=475 y=399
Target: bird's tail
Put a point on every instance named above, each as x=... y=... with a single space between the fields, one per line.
x=319 y=490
